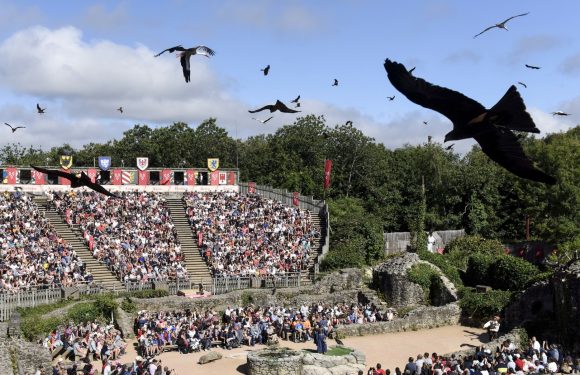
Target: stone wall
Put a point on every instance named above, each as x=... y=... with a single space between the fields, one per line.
x=283 y=361
x=513 y=336
x=26 y=356
x=391 y=278
x=420 y=318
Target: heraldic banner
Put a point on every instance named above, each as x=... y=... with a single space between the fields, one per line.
x=213 y=164
x=66 y=161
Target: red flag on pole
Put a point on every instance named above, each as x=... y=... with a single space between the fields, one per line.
x=295 y=198
x=327 y=169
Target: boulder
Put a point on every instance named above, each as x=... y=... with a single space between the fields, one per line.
x=209 y=357
x=314 y=370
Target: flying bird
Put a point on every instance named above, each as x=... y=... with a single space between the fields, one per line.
x=296 y=100
x=266 y=70
x=491 y=128
x=279 y=106
x=560 y=113
x=348 y=123
x=263 y=121
x=14 y=128
x=120 y=109
x=185 y=54
x=391 y=98
x=450 y=147
x=77 y=180
x=523 y=84
x=533 y=67
x=335 y=82
x=425 y=123
x=38 y=109
x=297 y=105
x=501 y=25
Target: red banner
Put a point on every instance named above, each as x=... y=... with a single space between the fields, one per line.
x=190 y=175
x=165 y=177
x=38 y=177
x=117 y=178
x=223 y=178
x=231 y=178
x=143 y=177
x=62 y=180
x=252 y=188
x=199 y=238
x=11 y=175
x=214 y=178
x=327 y=170
x=92 y=173
x=295 y=198
x=68 y=216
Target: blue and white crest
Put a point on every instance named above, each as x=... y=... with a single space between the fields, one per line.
x=105 y=162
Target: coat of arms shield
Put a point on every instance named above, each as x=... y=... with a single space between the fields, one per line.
x=213 y=164
x=66 y=161
x=142 y=163
x=104 y=162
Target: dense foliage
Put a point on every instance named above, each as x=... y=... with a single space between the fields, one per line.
x=483 y=305
x=385 y=185
x=427 y=277
x=460 y=249
x=500 y=272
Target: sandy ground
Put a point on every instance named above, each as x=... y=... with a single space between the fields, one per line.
x=391 y=350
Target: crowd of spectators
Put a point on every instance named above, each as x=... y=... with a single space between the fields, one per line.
x=32 y=254
x=533 y=358
x=247 y=235
x=134 y=236
x=191 y=330
x=86 y=341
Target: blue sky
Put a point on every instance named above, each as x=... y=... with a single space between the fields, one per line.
x=83 y=59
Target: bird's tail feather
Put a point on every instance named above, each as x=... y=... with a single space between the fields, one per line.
x=510 y=112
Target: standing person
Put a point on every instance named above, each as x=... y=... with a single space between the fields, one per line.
x=492 y=327
x=431 y=242
x=321 y=341
x=379 y=370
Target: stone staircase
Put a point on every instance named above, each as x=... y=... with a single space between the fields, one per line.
x=317 y=243
x=102 y=275
x=194 y=263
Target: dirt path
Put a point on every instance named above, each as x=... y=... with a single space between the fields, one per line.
x=391 y=350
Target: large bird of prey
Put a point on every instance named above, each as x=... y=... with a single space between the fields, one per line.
x=185 y=54
x=38 y=109
x=120 y=109
x=335 y=83
x=279 y=106
x=501 y=25
x=491 y=128
x=14 y=128
x=266 y=70
x=391 y=98
x=533 y=66
x=77 y=180
x=560 y=113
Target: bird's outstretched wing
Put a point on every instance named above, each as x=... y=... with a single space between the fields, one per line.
x=171 y=50
x=452 y=104
x=203 y=50
x=502 y=146
x=10 y=126
x=52 y=172
x=512 y=17
x=283 y=108
x=489 y=28
x=99 y=189
x=269 y=106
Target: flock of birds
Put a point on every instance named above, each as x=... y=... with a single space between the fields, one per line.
x=492 y=128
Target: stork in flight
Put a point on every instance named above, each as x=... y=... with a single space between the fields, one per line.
x=278 y=106
x=14 y=128
x=185 y=54
x=39 y=110
x=501 y=25
x=560 y=113
x=120 y=109
x=391 y=98
x=533 y=67
x=263 y=121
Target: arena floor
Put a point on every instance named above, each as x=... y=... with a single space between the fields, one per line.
x=391 y=350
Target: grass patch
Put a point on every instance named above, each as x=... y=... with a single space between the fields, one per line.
x=339 y=351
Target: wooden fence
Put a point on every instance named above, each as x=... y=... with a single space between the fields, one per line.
x=30 y=298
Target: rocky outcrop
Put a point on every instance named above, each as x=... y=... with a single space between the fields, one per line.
x=18 y=356
x=209 y=357
x=391 y=278
x=420 y=318
x=285 y=361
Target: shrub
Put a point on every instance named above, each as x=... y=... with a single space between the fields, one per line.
x=83 y=312
x=511 y=273
x=427 y=277
x=149 y=293
x=33 y=328
x=247 y=298
x=460 y=249
x=128 y=305
x=478 y=269
x=444 y=265
x=481 y=306
x=345 y=255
